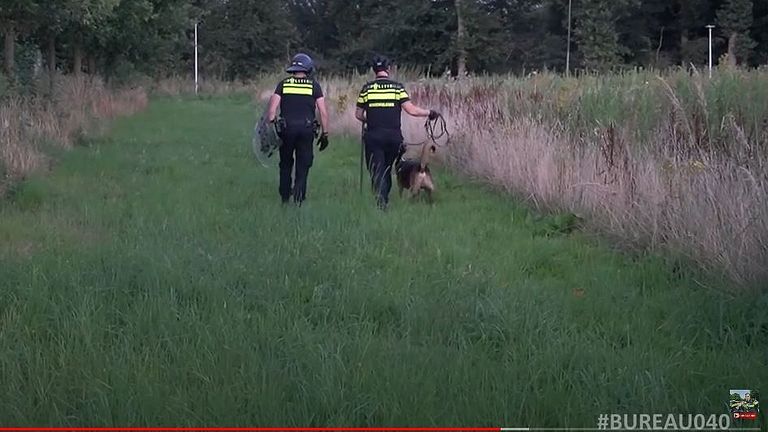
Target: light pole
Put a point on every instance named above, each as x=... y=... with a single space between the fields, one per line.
x=710 y=27
x=568 y=49
x=196 y=73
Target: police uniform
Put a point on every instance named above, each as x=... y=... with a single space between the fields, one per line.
x=751 y=405
x=382 y=101
x=297 y=110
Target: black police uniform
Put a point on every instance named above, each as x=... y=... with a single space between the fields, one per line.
x=297 y=111
x=382 y=100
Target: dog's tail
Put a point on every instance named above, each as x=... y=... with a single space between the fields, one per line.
x=426 y=150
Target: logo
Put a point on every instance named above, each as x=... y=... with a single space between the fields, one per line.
x=744 y=404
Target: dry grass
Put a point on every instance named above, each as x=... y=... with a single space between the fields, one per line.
x=674 y=163
x=77 y=106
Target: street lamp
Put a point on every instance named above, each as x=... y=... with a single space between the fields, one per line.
x=196 y=73
x=710 y=27
x=568 y=50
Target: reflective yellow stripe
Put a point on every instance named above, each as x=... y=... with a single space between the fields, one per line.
x=369 y=92
x=382 y=105
x=297 y=91
x=298 y=86
x=384 y=96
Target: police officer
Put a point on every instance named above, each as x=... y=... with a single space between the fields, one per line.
x=379 y=106
x=749 y=404
x=297 y=96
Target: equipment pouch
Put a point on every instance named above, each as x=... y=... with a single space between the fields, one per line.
x=316 y=129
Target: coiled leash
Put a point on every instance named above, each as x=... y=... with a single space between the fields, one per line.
x=435 y=130
x=266 y=139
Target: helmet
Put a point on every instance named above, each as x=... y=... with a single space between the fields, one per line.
x=301 y=63
x=380 y=63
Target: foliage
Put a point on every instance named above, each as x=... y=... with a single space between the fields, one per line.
x=736 y=18
x=241 y=38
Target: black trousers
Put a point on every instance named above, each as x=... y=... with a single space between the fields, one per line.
x=296 y=151
x=382 y=148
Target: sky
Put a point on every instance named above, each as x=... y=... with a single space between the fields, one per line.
x=740 y=392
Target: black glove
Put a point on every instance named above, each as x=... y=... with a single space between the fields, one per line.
x=433 y=114
x=323 y=141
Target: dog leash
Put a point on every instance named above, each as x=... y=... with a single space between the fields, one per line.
x=435 y=130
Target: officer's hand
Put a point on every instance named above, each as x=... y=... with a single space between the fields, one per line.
x=323 y=141
x=433 y=114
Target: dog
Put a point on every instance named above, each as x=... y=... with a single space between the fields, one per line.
x=414 y=175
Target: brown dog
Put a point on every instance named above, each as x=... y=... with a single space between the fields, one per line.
x=415 y=175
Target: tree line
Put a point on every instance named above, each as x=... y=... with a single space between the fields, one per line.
x=239 y=38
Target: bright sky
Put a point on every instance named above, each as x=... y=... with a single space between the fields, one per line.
x=740 y=392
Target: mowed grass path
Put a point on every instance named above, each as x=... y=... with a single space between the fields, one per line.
x=153 y=279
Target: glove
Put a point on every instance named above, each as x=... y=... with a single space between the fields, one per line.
x=323 y=141
x=433 y=114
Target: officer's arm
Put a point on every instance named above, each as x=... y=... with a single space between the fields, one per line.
x=360 y=114
x=274 y=102
x=320 y=102
x=415 y=111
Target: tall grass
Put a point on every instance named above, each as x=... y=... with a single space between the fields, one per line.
x=75 y=107
x=673 y=162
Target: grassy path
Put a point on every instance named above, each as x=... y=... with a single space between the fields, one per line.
x=154 y=279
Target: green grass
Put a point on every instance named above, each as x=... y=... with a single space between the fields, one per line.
x=153 y=279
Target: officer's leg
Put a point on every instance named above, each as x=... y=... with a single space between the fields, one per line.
x=304 y=158
x=390 y=154
x=378 y=168
x=286 y=165
x=367 y=145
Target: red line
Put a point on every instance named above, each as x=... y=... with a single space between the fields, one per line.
x=236 y=429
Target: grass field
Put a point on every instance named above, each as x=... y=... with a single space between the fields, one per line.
x=154 y=279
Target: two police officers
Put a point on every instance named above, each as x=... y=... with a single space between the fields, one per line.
x=379 y=106
x=298 y=96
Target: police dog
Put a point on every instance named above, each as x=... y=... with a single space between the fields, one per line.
x=414 y=175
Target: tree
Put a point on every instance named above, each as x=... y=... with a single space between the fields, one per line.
x=596 y=33
x=84 y=19
x=461 y=40
x=144 y=36
x=243 y=37
x=735 y=18
x=16 y=16
x=50 y=21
